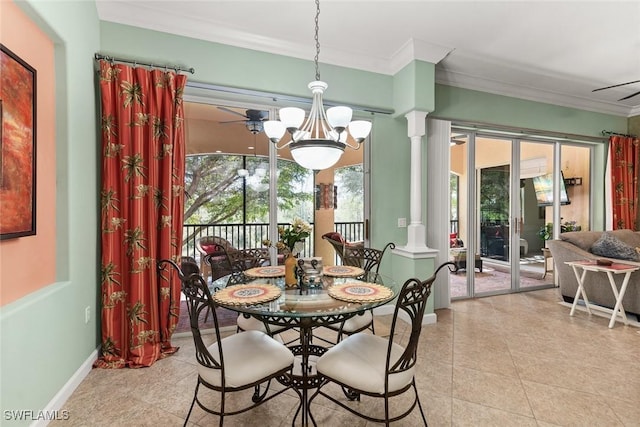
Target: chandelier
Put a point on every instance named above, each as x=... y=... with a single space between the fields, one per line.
x=318 y=142
x=258 y=181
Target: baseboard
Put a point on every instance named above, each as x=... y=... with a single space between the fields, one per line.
x=427 y=319
x=56 y=405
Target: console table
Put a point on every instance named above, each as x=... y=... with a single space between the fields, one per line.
x=615 y=268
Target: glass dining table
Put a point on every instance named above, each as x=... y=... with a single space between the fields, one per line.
x=329 y=300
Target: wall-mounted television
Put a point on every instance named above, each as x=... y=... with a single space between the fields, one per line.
x=543 y=186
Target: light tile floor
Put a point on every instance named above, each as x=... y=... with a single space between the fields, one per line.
x=510 y=360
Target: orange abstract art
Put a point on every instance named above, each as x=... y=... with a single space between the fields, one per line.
x=18 y=144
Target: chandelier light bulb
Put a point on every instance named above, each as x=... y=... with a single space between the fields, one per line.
x=292 y=117
x=339 y=117
x=274 y=129
x=359 y=129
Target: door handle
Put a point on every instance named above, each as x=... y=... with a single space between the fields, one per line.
x=366 y=229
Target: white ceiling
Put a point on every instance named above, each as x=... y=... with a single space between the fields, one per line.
x=552 y=51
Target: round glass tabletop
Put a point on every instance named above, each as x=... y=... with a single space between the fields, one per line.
x=333 y=296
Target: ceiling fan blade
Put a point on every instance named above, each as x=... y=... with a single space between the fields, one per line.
x=618 y=85
x=630 y=96
x=232 y=121
x=228 y=110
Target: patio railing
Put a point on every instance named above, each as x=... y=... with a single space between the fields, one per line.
x=244 y=236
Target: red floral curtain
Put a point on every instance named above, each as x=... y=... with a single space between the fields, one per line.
x=142 y=211
x=624 y=153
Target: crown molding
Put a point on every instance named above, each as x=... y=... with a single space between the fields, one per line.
x=145 y=15
x=419 y=50
x=482 y=84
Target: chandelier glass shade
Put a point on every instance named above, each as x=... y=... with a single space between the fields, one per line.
x=318 y=142
x=258 y=181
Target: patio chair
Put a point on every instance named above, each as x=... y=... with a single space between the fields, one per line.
x=365 y=364
x=216 y=247
x=339 y=243
x=369 y=260
x=238 y=362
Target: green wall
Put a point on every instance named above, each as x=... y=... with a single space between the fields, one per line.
x=44 y=338
x=245 y=68
x=474 y=106
x=413 y=88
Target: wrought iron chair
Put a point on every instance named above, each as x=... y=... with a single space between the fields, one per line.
x=365 y=364
x=238 y=362
x=369 y=260
x=237 y=262
x=241 y=260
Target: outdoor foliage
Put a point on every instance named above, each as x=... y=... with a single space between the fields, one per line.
x=214 y=191
x=350 y=183
x=494 y=194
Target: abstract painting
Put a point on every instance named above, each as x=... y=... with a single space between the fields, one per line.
x=17 y=146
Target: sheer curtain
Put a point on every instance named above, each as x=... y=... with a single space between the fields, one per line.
x=143 y=146
x=624 y=155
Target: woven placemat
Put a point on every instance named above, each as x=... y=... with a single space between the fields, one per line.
x=254 y=293
x=270 y=271
x=342 y=271
x=360 y=292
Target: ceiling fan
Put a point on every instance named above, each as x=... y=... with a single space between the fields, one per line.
x=253 y=119
x=618 y=85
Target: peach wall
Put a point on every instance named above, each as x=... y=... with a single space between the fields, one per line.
x=28 y=263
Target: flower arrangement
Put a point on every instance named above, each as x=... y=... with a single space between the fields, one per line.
x=291 y=238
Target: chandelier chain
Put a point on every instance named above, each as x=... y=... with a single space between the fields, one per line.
x=317 y=40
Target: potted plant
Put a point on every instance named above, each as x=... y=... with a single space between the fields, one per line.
x=546 y=232
x=291 y=243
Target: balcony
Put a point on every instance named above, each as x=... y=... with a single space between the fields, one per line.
x=251 y=235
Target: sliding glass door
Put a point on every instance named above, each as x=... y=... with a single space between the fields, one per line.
x=504 y=207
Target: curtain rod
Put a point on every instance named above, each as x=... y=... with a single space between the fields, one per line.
x=520 y=132
x=606 y=132
x=177 y=68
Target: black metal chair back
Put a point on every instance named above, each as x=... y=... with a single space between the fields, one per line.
x=198 y=299
x=411 y=301
x=243 y=259
x=368 y=259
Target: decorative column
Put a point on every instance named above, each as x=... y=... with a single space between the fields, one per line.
x=416 y=231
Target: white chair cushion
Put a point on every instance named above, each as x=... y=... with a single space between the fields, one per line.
x=253 y=324
x=359 y=362
x=248 y=357
x=357 y=322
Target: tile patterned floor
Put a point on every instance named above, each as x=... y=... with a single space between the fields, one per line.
x=509 y=360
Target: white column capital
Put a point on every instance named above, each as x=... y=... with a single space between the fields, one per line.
x=417 y=122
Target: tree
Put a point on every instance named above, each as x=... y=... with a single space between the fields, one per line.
x=349 y=181
x=494 y=194
x=215 y=193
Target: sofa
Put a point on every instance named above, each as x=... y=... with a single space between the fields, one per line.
x=579 y=245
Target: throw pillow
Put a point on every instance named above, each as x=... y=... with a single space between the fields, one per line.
x=611 y=247
x=334 y=235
